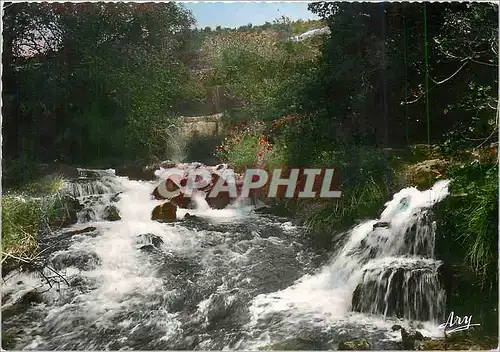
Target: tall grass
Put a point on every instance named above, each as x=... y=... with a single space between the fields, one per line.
x=366 y=179
x=478 y=218
x=358 y=203
x=27 y=211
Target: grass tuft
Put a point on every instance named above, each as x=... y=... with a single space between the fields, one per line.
x=25 y=213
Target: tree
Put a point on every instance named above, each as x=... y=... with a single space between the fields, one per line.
x=89 y=81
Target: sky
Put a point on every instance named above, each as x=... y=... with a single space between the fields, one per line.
x=235 y=14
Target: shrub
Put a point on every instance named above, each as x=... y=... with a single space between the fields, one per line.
x=247 y=146
x=478 y=216
x=25 y=213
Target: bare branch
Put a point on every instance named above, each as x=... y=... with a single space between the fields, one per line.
x=483 y=63
x=453 y=75
x=487 y=138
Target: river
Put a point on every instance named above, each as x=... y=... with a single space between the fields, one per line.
x=225 y=279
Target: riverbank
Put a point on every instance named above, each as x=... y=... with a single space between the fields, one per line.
x=466 y=222
x=198 y=282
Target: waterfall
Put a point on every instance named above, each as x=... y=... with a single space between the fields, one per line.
x=220 y=278
x=386 y=267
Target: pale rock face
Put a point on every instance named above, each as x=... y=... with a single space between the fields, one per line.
x=202 y=126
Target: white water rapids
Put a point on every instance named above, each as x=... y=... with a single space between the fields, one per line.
x=229 y=279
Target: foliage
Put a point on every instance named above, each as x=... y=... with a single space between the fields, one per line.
x=252 y=71
x=367 y=178
x=467 y=241
x=27 y=212
x=88 y=81
x=247 y=146
x=478 y=218
x=368 y=87
x=20 y=221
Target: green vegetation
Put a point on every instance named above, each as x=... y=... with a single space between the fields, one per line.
x=86 y=82
x=103 y=83
x=40 y=206
x=359 y=104
x=468 y=241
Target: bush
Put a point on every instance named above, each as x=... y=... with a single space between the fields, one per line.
x=247 y=146
x=359 y=203
x=34 y=208
x=478 y=216
x=467 y=242
x=367 y=179
x=21 y=219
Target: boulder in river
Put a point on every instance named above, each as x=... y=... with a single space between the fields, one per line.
x=165 y=212
x=220 y=201
x=87 y=215
x=296 y=344
x=21 y=303
x=111 y=213
x=170 y=185
x=148 y=241
x=115 y=198
x=79 y=259
x=354 y=345
x=410 y=338
x=65 y=211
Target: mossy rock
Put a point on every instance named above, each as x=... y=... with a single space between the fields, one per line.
x=423 y=151
x=111 y=213
x=165 y=212
x=355 y=345
x=8 y=341
x=424 y=174
x=474 y=340
x=411 y=339
x=295 y=344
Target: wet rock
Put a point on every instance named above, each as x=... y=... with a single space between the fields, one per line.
x=165 y=212
x=87 y=215
x=111 y=213
x=8 y=341
x=473 y=339
x=181 y=201
x=65 y=211
x=410 y=338
x=21 y=304
x=148 y=241
x=78 y=259
x=81 y=231
x=88 y=174
x=296 y=344
x=189 y=216
x=386 y=290
x=381 y=224
x=220 y=201
x=115 y=198
x=424 y=174
x=355 y=345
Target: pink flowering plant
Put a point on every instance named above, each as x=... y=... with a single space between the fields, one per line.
x=247 y=145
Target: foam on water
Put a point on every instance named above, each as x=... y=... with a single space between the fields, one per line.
x=126 y=293
x=326 y=296
x=122 y=279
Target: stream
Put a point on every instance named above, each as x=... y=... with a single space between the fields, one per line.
x=225 y=279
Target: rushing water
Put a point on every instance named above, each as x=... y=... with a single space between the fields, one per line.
x=225 y=279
